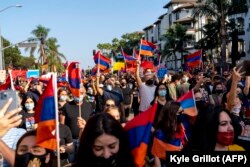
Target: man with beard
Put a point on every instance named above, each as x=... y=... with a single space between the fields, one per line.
x=146 y=89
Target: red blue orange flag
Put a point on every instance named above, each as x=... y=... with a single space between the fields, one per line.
x=127 y=57
x=45 y=116
x=147 y=48
x=160 y=146
x=139 y=133
x=194 y=59
x=188 y=103
x=101 y=60
x=74 y=78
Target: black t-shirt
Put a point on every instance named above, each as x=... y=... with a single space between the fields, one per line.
x=126 y=95
x=71 y=112
x=157 y=113
x=65 y=138
x=28 y=120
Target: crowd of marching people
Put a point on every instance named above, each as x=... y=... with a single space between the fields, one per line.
x=92 y=127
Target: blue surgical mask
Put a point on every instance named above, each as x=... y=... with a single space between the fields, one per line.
x=29 y=106
x=79 y=99
x=162 y=93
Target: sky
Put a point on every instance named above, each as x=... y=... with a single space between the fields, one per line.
x=79 y=25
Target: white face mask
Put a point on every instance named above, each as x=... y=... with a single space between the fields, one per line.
x=29 y=106
x=236 y=109
x=109 y=87
x=63 y=98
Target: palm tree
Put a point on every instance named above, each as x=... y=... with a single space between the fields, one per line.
x=54 y=56
x=175 y=38
x=211 y=37
x=40 y=34
x=218 y=10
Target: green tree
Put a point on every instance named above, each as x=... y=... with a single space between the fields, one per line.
x=54 y=56
x=217 y=10
x=211 y=37
x=41 y=34
x=128 y=41
x=12 y=55
x=175 y=38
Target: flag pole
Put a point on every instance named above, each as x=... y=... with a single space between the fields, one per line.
x=98 y=65
x=11 y=81
x=140 y=51
x=57 y=119
x=80 y=113
x=124 y=59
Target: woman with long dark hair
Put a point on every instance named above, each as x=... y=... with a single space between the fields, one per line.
x=170 y=134
x=104 y=143
x=214 y=131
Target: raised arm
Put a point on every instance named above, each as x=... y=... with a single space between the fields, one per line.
x=247 y=86
x=236 y=77
x=137 y=75
x=98 y=89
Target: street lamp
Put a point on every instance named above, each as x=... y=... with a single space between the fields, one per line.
x=1 y=52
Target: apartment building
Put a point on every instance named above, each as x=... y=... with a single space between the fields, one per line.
x=240 y=15
x=178 y=11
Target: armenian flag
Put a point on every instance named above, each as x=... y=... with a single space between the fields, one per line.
x=147 y=48
x=194 y=59
x=45 y=116
x=74 y=78
x=127 y=57
x=160 y=146
x=139 y=133
x=101 y=60
x=188 y=103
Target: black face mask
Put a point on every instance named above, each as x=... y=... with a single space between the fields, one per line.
x=109 y=162
x=209 y=83
x=219 y=91
x=200 y=104
x=25 y=159
x=150 y=82
x=123 y=84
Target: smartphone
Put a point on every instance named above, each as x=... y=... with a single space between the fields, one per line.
x=245 y=67
x=6 y=95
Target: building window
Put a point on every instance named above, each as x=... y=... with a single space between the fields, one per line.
x=177 y=15
x=240 y=22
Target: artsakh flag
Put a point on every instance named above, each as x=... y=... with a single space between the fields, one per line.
x=194 y=59
x=45 y=116
x=188 y=103
x=147 y=48
x=139 y=134
x=74 y=78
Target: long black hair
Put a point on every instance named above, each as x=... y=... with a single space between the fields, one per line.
x=103 y=123
x=204 y=136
